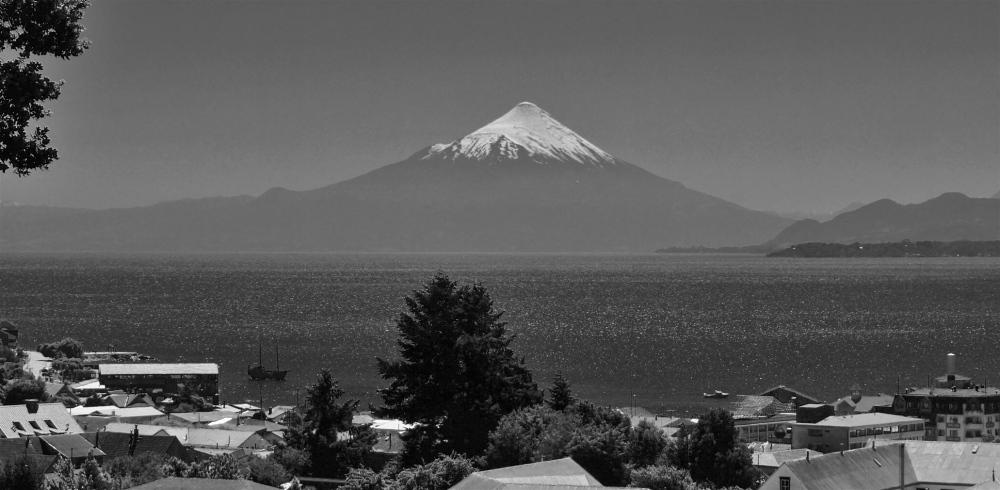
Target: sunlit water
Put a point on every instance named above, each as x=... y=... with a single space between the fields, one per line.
x=661 y=328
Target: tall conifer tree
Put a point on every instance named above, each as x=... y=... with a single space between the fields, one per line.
x=457 y=375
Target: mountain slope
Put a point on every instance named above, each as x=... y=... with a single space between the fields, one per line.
x=523 y=183
x=948 y=217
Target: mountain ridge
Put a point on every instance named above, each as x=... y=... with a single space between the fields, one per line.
x=522 y=183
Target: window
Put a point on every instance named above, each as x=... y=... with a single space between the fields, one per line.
x=940 y=418
x=784 y=483
x=940 y=432
x=34 y=425
x=50 y=424
x=18 y=426
x=815 y=432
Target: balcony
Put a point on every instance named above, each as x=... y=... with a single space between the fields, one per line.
x=973 y=412
x=953 y=439
x=990 y=424
x=953 y=425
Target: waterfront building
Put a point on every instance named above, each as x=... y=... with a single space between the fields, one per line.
x=954 y=408
x=891 y=465
x=36 y=419
x=775 y=429
x=203 y=377
x=785 y=394
x=858 y=403
x=842 y=432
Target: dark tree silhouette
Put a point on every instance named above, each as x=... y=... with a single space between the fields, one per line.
x=457 y=375
x=324 y=431
x=560 y=395
x=713 y=452
x=33 y=28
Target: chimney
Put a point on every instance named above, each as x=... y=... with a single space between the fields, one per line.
x=951 y=363
x=31 y=405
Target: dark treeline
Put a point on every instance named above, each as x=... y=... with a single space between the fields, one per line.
x=749 y=249
x=905 y=248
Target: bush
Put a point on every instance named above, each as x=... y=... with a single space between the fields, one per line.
x=661 y=477
x=267 y=471
x=17 y=391
x=66 y=347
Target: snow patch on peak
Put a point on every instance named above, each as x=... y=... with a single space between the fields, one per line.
x=526 y=131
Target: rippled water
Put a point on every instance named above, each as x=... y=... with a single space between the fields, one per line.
x=661 y=327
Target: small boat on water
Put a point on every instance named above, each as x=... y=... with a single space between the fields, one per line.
x=259 y=372
x=717 y=394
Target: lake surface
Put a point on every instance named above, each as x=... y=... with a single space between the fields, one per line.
x=660 y=328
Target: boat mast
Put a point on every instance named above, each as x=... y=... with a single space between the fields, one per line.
x=277 y=360
x=260 y=355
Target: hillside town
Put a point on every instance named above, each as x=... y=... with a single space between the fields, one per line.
x=93 y=413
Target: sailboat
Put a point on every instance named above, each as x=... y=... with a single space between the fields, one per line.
x=258 y=371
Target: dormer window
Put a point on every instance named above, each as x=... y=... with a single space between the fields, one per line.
x=50 y=424
x=34 y=425
x=18 y=426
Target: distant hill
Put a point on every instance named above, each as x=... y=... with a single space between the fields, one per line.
x=906 y=248
x=523 y=183
x=948 y=217
x=821 y=217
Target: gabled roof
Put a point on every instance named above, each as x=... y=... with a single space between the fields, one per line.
x=202 y=484
x=220 y=438
x=111 y=410
x=800 y=395
x=756 y=406
x=858 y=469
x=70 y=445
x=12 y=448
x=547 y=474
x=116 y=444
x=55 y=413
x=776 y=458
x=144 y=429
x=867 y=402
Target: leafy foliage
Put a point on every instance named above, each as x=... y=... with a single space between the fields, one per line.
x=440 y=474
x=325 y=433
x=267 y=471
x=663 y=477
x=600 y=439
x=33 y=28
x=457 y=376
x=713 y=453
x=19 y=390
x=20 y=474
x=66 y=347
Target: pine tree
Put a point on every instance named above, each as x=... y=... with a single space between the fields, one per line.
x=560 y=395
x=457 y=375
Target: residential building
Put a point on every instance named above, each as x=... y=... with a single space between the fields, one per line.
x=203 y=377
x=757 y=406
x=769 y=461
x=42 y=450
x=892 y=465
x=842 y=432
x=36 y=419
x=118 y=444
x=198 y=437
x=8 y=334
x=954 y=408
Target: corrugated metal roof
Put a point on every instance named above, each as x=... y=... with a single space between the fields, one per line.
x=118 y=412
x=55 y=413
x=177 y=368
x=864 y=420
x=953 y=462
x=144 y=429
x=859 y=469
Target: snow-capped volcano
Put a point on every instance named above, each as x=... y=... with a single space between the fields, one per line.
x=525 y=132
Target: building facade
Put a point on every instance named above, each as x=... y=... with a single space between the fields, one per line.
x=839 y=433
x=954 y=409
x=203 y=378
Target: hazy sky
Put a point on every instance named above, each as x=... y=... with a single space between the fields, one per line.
x=778 y=105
